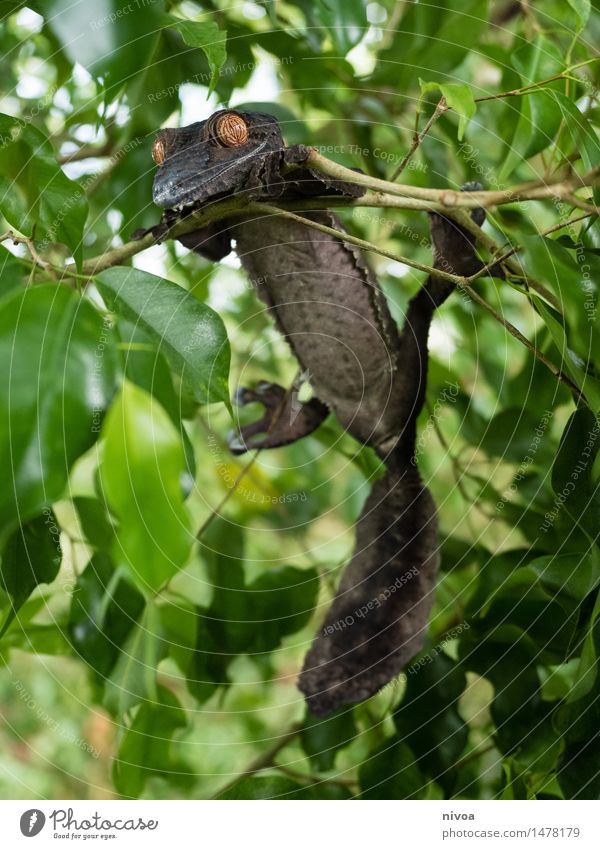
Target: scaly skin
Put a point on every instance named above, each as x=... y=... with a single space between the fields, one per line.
x=330 y=308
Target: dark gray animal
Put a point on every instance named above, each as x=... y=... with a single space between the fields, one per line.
x=330 y=308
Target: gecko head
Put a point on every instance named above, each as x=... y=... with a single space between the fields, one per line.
x=213 y=158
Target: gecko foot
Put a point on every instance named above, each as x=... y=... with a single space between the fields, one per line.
x=286 y=419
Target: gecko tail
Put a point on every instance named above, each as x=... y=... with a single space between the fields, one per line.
x=378 y=619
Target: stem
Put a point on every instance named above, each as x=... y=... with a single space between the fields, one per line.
x=265 y=760
x=525 y=341
x=316 y=779
x=30 y=245
x=561 y=224
x=384 y=194
x=418 y=137
x=216 y=511
x=87 y=151
x=451 y=198
x=243 y=472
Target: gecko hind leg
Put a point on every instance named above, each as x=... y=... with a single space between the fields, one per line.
x=286 y=419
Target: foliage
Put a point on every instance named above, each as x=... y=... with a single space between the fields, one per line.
x=175 y=588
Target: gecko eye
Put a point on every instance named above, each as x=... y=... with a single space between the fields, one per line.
x=229 y=129
x=158 y=152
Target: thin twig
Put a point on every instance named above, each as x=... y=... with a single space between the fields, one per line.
x=268 y=209
x=316 y=779
x=443 y=107
x=87 y=151
x=581 y=204
x=525 y=341
x=418 y=137
x=243 y=472
x=511 y=251
x=216 y=511
x=265 y=760
x=30 y=245
x=458 y=470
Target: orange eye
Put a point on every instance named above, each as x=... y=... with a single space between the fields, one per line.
x=158 y=152
x=231 y=130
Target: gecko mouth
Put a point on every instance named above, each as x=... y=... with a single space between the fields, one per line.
x=185 y=185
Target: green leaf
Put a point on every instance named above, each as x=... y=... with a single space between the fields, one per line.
x=113 y=41
x=428 y=719
x=267 y=787
x=145 y=750
x=104 y=609
x=140 y=473
x=587 y=669
x=539 y=114
x=31 y=557
x=573 y=479
x=322 y=738
x=390 y=772
x=458 y=96
x=582 y=9
x=282 y=599
x=145 y=366
x=58 y=374
x=13 y=274
x=517 y=435
x=133 y=678
x=209 y=38
x=433 y=38
x=580 y=131
x=39 y=639
x=179 y=622
x=345 y=21
x=575 y=575
x=549 y=260
x=578 y=773
x=517 y=708
x=95 y=523
x=571 y=364
x=36 y=197
x=207 y=668
x=190 y=334
x=230 y=611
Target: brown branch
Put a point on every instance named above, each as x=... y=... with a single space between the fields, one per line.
x=265 y=760
x=446 y=199
x=38 y=261
x=384 y=194
x=87 y=151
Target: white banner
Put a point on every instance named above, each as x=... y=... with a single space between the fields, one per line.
x=290 y=825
